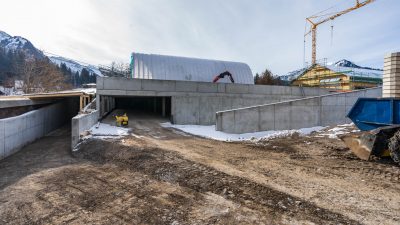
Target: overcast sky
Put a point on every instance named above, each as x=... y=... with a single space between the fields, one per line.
x=261 y=33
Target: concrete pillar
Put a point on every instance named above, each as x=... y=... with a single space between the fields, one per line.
x=108 y=104
x=163 y=107
x=112 y=103
x=173 y=99
x=80 y=103
x=155 y=105
x=102 y=105
x=391 y=76
x=98 y=102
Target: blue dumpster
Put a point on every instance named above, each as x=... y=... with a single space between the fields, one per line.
x=371 y=113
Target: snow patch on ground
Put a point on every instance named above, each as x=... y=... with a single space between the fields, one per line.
x=335 y=132
x=10 y=91
x=210 y=132
x=106 y=131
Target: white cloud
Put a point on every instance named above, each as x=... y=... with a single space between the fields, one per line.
x=264 y=34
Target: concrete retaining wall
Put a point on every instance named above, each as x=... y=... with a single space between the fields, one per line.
x=113 y=86
x=302 y=113
x=18 y=131
x=197 y=102
x=20 y=102
x=81 y=123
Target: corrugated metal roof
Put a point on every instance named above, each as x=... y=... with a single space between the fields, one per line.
x=349 y=71
x=293 y=75
x=160 y=67
x=360 y=72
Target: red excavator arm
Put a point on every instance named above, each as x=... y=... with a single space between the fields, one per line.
x=222 y=75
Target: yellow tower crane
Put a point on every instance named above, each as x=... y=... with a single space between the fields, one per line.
x=326 y=18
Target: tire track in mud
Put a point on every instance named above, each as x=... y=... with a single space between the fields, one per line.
x=95 y=195
x=369 y=170
x=372 y=172
x=170 y=167
x=383 y=169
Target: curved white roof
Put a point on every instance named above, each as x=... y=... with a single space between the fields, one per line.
x=159 y=67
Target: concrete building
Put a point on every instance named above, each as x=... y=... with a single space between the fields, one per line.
x=160 y=67
x=187 y=102
x=233 y=108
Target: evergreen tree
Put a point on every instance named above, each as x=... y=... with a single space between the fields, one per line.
x=77 y=82
x=10 y=63
x=256 y=78
x=85 y=76
x=267 y=78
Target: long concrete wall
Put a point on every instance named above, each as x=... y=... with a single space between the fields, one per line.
x=18 y=131
x=16 y=105
x=9 y=102
x=302 y=113
x=197 y=102
x=81 y=123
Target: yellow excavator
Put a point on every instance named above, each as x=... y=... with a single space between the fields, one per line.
x=121 y=120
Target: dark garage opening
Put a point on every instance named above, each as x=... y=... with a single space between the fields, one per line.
x=160 y=106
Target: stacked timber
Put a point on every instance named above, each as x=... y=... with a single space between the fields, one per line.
x=391 y=76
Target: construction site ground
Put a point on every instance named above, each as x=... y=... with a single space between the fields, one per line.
x=164 y=176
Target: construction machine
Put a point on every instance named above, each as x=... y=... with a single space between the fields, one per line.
x=323 y=17
x=222 y=76
x=379 y=121
x=121 y=120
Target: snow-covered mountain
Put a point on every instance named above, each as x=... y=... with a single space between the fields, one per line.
x=74 y=66
x=4 y=35
x=347 y=63
x=18 y=43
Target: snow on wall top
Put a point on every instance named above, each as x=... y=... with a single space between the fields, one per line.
x=159 y=67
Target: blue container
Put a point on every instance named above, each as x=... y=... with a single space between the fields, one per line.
x=371 y=113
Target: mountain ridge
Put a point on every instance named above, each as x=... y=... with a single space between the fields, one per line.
x=347 y=63
x=18 y=43
x=74 y=65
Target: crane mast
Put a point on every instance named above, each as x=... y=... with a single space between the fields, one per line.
x=315 y=24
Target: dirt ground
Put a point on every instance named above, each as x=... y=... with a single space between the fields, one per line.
x=164 y=176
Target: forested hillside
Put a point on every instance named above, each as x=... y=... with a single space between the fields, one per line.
x=38 y=75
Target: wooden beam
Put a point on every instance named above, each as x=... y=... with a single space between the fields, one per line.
x=80 y=103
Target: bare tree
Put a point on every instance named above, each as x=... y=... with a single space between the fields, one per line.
x=116 y=69
x=42 y=76
x=120 y=67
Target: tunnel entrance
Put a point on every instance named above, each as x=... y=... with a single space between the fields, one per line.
x=158 y=106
